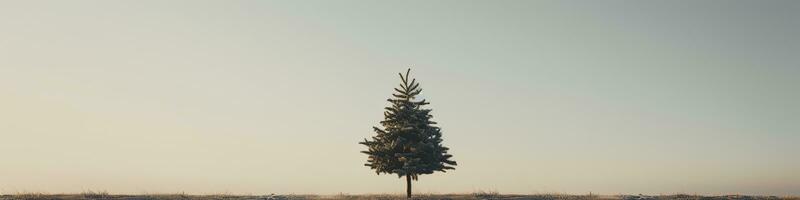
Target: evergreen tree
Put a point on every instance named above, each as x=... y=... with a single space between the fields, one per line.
x=409 y=144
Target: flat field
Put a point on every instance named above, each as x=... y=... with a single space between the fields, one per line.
x=477 y=196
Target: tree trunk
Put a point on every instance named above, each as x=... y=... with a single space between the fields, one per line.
x=408 y=186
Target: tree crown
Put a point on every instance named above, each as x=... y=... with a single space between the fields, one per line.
x=409 y=144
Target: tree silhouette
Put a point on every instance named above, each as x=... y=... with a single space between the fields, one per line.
x=409 y=144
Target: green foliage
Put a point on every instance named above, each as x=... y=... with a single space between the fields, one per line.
x=408 y=144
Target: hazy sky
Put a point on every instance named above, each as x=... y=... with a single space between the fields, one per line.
x=260 y=97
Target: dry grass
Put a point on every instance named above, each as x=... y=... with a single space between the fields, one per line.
x=474 y=196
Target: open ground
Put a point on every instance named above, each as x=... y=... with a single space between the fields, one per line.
x=473 y=196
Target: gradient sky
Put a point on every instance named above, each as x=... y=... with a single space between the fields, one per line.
x=259 y=97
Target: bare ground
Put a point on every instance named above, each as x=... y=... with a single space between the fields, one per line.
x=476 y=196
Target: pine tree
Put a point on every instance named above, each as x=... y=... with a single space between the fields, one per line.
x=409 y=144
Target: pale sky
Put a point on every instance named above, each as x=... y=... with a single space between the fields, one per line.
x=259 y=97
